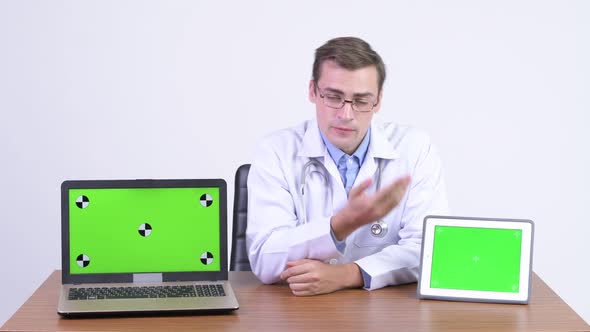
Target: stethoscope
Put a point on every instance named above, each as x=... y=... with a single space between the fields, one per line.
x=378 y=228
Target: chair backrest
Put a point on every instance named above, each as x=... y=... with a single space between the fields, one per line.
x=239 y=254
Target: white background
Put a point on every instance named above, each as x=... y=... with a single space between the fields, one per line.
x=184 y=89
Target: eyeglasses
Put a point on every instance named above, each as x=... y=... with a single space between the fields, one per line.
x=337 y=101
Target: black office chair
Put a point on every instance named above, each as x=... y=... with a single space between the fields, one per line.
x=239 y=254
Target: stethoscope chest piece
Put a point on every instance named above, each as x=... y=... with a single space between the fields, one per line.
x=379 y=228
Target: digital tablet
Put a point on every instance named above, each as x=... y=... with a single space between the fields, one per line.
x=476 y=259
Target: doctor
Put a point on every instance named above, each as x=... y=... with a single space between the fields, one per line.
x=338 y=202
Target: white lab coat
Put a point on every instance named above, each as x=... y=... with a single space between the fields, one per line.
x=276 y=234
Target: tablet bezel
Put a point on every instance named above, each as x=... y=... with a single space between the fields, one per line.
x=426 y=292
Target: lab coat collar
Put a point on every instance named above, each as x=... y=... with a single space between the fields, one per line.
x=381 y=146
x=312 y=144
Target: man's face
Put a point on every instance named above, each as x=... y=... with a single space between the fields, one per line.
x=345 y=128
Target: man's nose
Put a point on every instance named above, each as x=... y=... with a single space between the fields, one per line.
x=346 y=111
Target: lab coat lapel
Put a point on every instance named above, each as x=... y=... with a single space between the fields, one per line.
x=368 y=169
x=379 y=148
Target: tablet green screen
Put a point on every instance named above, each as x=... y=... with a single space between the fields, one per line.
x=480 y=259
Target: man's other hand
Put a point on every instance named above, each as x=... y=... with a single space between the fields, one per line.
x=311 y=277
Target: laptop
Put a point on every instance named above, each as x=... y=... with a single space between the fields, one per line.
x=476 y=259
x=138 y=247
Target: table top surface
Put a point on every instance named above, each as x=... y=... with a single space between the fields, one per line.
x=273 y=307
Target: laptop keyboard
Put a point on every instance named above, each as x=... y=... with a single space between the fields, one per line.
x=139 y=292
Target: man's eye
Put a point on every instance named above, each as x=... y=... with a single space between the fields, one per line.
x=334 y=98
x=361 y=102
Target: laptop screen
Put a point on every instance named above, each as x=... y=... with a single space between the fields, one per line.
x=472 y=258
x=144 y=230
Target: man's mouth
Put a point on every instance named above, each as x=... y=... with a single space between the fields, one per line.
x=343 y=129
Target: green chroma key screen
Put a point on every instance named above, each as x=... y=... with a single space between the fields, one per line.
x=481 y=259
x=142 y=230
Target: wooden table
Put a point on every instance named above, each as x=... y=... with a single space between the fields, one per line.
x=274 y=308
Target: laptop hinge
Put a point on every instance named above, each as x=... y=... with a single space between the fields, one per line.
x=147 y=277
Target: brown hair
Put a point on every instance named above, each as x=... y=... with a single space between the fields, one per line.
x=349 y=53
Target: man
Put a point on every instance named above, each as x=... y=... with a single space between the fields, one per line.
x=339 y=202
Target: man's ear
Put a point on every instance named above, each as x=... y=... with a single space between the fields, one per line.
x=377 y=107
x=312 y=91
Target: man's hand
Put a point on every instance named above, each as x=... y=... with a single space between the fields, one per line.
x=363 y=208
x=310 y=277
